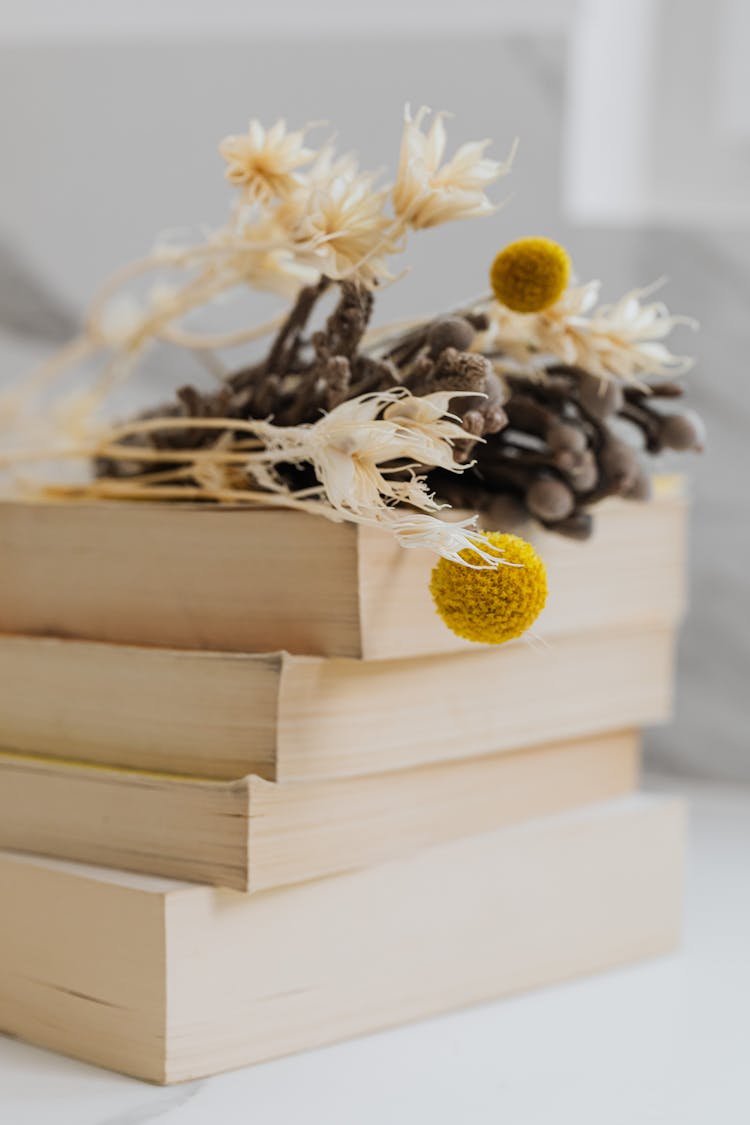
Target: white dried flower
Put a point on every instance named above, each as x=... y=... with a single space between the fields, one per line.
x=354 y=448
x=327 y=167
x=266 y=259
x=425 y=193
x=624 y=339
x=342 y=225
x=621 y=340
x=265 y=162
x=365 y=453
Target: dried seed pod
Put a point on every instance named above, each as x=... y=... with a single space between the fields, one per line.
x=494 y=388
x=465 y=372
x=618 y=463
x=526 y=415
x=474 y=423
x=567 y=460
x=577 y=526
x=640 y=488
x=565 y=436
x=584 y=474
x=503 y=509
x=495 y=418
x=449 y=332
x=683 y=431
x=600 y=397
x=549 y=499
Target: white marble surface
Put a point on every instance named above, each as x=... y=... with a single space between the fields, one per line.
x=664 y=1043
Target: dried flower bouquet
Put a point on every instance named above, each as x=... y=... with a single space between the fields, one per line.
x=521 y=395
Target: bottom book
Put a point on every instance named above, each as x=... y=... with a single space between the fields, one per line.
x=170 y=981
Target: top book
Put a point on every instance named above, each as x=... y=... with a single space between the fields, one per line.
x=239 y=580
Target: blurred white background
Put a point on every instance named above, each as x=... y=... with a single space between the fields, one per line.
x=634 y=120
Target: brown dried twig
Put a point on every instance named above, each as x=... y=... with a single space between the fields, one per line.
x=549 y=444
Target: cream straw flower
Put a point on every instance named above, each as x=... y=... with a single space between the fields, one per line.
x=365 y=453
x=265 y=257
x=426 y=194
x=344 y=228
x=623 y=340
x=354 y=448
x=329 y=166
x=264 y=162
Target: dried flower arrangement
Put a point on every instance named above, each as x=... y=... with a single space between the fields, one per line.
x=517 y=395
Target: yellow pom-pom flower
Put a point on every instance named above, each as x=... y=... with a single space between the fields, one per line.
x=530 y=275
x=495 y=604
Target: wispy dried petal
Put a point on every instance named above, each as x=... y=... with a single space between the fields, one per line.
x=264 y=162
x=621 y=340
x=341 y=225
x=370 y=455
x=426 y=192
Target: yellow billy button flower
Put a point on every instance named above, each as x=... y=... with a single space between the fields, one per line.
x=530 y=275
x=495 y=604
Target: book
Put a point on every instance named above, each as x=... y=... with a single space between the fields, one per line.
x=168 y=981
x=254 y=834
x=239 y=580
x=287 y=718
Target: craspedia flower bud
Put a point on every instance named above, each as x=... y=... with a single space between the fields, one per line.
x=530 y=275
x=494 y=604
x=600 y=397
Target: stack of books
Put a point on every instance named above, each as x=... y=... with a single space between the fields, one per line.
x=254 y=797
